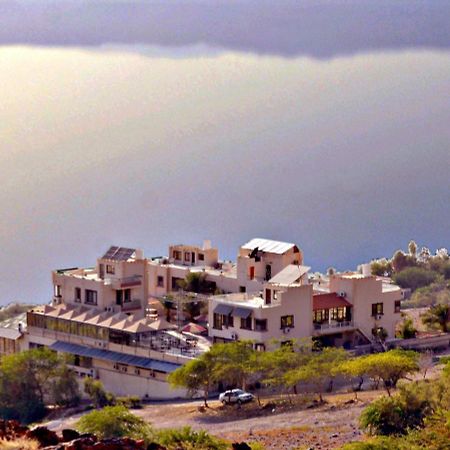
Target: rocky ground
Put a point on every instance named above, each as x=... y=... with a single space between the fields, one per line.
x=285 y=426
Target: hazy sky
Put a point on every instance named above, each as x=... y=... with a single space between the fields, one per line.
x=148 y=145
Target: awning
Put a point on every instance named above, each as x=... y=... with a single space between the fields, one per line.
x=221 y=308
x=289 y=275
x=244 y=313
x=329 y=301
x=121 y=358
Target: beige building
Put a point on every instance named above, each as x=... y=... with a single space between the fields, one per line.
x=130 y=355
x=118 y=283
x=281 y=311
x=346 y=311
x=257 y=261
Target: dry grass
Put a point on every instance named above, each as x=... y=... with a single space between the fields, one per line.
x=19 y=444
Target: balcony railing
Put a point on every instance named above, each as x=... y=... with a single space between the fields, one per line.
x=134 y=304
x=333 y=325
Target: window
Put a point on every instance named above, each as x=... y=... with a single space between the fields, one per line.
x=222 y=321
x=260 y=347
x=137 y=371
x=110 y=269
x=397 y=306
x=127 y=295
x=176 y=283
x=90 y=297
x=268 y=272
x=177 y=254
x=246 y=324
x=268 y=296
x=201 y=257
x=160 y=281
x=187 y=256
x=321 y=315
x=251 y=272
x=57 y=289
x=260 y=324
x=217 y=321
x=77 y=296
x=377 y=309
x=287 y=321
x=242 y=289
x=338 y=313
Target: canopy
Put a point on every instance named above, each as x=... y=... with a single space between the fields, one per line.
x=193 y=328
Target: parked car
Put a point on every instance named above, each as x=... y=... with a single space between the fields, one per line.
x=235 y=396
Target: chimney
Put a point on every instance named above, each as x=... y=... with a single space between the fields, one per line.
x=206 y=244
x=139 y=253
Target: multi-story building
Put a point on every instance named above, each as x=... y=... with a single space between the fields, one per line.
x=118 y=283
x=258 y=260
x=100 y=315
x=347 y=311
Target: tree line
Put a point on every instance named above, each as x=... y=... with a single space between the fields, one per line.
x=290 y=368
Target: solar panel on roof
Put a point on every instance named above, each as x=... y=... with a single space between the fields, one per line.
x=110 y=253
x=118 y=253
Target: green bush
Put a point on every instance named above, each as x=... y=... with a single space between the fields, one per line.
x=115 y=421
x=415 y=277
x=405 y=411
x=132 y=402
x=187 y=439
x=99 y=397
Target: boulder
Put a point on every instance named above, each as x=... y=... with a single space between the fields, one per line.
x=69 y=435
x=44 y=436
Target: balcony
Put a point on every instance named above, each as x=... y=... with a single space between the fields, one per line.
x=333 y=327
x=126 y=282
x=129 y=306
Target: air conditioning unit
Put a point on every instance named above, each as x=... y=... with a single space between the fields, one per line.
x=286 y=330
x=341 y=294
x=378 y=317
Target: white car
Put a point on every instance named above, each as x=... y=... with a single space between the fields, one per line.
x=235 y=396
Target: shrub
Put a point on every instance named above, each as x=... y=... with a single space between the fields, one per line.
x=405 y=411
x=132 y=401
x=415 y=277
x=187 y=439
x=407 y=329
x=99 y=397
x=115 y=421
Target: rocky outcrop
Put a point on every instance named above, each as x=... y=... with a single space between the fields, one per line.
x=70 y=439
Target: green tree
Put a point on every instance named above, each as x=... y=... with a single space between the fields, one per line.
x=234 y=362
x=381 y=267
x=407 y=329
x=284 y=358
x=390 y=367
x=196 y=376
x=113 y=422
x=27 y=382
x=99 y=397
x=65 y=387
x=437 y=316
x=414 y=277
x=197 y=282
x=319 y=370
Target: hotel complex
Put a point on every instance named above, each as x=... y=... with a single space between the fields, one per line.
x=122 y=323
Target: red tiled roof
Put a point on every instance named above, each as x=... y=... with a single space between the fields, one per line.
x=328 y=301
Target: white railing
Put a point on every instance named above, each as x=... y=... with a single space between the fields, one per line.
x=333 y=325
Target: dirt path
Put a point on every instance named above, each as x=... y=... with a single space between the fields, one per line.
x=324 y=427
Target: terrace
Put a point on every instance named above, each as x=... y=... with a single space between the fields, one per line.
x=102 y=329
